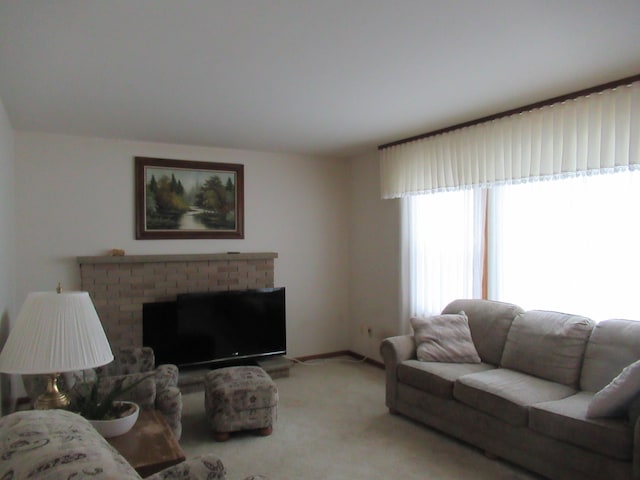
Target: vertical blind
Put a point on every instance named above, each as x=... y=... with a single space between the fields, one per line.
x=591 y=134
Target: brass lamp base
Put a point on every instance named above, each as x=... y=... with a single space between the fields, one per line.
x=52 y=397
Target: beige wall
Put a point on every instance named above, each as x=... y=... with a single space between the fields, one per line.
x=8 y=308
x=76 y=198
x=338 y=242
x=374 y=278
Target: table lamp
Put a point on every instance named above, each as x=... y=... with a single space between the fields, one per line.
x=55 y=332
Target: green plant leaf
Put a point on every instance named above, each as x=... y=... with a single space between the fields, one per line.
x=92 y=406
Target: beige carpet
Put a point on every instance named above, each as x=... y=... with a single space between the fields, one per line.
x=332 y=424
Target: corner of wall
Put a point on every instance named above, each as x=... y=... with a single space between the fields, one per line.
x=375 y=263
x=7 y=246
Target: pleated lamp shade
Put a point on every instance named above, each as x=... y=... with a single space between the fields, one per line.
x=54 y=333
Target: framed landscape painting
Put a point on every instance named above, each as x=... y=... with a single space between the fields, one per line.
x=186 y=199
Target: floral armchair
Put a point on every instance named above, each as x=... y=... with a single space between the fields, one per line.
x=159 y=391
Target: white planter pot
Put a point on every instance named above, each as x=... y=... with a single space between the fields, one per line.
x=118 y=426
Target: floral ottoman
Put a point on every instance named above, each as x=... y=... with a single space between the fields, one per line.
x=240 y=398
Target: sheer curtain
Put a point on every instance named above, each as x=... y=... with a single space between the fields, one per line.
x=445 y=249
x=570 y=245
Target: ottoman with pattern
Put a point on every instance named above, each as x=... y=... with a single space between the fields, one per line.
x=240 y=398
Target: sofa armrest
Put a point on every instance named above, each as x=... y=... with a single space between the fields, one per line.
x=169 y=403
x=395 y=350
x=398 y=349
x=166 y=376
x=204 y=467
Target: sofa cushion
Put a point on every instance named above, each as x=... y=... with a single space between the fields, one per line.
x=507 y=394
x=444 y=338
x=566 y=420
x=436 y=378
x=615 y=398
x=489 y=322
x=549 y=345
x=613 y=345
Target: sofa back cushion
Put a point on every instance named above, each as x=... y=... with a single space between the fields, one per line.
x=489 y=322
x=549 y=345
x=613 y=345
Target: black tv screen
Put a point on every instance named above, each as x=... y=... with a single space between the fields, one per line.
x=204 y=328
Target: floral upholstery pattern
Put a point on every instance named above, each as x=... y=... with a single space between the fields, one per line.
x=144 y=394
x=160 y=391
x=133 y=360
x=208 y=467
x=53 y=444
x=169 y=402
x=57 y=444
x=240 y=398
x=166 y=376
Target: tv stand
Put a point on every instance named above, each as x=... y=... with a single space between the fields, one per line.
x=192 y=379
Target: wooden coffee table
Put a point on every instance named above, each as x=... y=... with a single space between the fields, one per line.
x=150 y=445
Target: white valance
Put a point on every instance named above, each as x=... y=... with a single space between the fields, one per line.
x=586 y=135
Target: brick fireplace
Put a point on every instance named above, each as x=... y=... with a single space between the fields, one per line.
x=119 y=286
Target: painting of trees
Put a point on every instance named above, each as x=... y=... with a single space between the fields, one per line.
x=217 y=202
x=196 y=197
x=166 y=203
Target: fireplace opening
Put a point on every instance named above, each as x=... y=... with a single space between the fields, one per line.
x=214 y=328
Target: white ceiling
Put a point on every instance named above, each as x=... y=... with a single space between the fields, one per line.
x=326 y=77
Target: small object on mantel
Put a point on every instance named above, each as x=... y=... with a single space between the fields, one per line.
x=116 y=252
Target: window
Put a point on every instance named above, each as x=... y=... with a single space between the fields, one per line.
x=570 y=245
x=446 y=230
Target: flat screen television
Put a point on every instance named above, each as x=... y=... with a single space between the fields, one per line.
x=215 y=327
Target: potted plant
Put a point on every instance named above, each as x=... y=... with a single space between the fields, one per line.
x=108 y=415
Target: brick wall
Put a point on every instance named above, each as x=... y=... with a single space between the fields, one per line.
x=119 y=286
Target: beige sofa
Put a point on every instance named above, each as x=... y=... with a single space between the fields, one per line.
x=527 y=399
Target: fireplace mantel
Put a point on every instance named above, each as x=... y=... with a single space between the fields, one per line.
x=120 y=285
x=188 y=257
